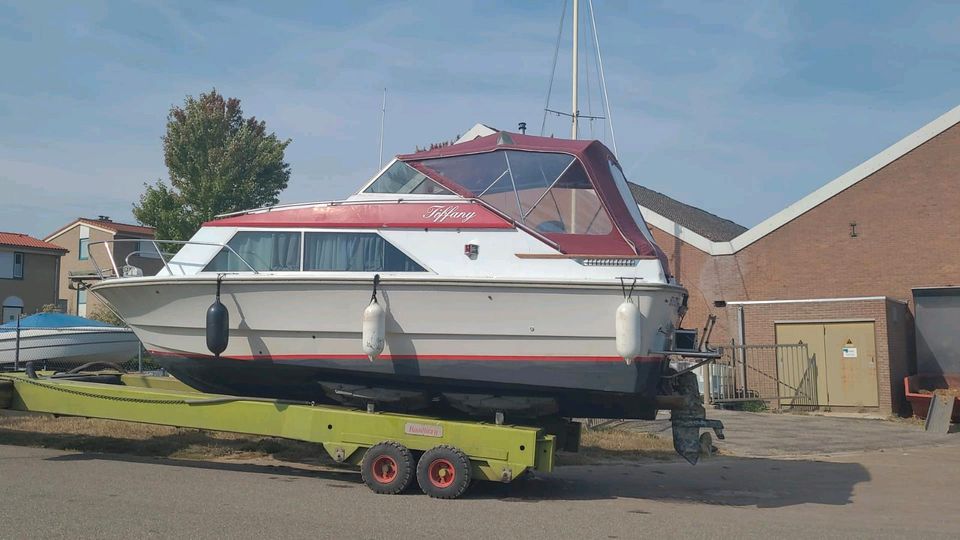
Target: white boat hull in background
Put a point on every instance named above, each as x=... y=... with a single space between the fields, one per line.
x=73 y=346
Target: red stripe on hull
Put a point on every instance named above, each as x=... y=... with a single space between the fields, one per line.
x=425 y=357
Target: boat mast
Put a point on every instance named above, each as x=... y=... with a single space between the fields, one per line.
x=574 y=113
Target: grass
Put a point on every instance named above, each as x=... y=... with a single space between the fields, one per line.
x=116 y=437
x=600 y=445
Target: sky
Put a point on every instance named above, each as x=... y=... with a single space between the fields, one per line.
x=740 y=108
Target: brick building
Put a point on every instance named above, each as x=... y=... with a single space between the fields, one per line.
x=848 y=253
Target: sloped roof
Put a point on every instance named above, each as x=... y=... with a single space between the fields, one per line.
x=120 y=227
x=108 y=226
x=700 y=221
x=25 y=241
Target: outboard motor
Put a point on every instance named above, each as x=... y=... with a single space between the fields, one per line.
x=218 y=324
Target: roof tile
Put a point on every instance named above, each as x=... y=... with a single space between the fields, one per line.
x=700 y=221
x=25 y=241
x=119 y=227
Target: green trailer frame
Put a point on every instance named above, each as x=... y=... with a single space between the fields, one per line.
x=493 y=452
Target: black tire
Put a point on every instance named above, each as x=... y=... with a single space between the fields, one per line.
x=387 y=467
x=444 y=472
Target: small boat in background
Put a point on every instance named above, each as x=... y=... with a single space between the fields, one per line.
x=65 y=339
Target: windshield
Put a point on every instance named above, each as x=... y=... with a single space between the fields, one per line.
x=404 y=179
x=549 y=192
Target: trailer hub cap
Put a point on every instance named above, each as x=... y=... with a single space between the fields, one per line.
x=384 y=469
x=442 y=473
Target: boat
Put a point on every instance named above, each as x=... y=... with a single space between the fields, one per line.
x=64 y=340
x=509 y=273
x=503 y=269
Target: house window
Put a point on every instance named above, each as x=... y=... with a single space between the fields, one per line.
x=354 y=252
x=18 y=265
x=82 y=302
x=264 y=251
x=84 y=251
x=147 y=249
x=11 y=265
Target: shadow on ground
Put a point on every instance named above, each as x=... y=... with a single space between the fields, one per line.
x=728 y=481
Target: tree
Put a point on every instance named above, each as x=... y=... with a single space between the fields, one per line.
x=218 y=162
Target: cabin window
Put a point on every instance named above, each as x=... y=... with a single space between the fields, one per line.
x=354 y=252
x=265 y=251
x=402 y=178
x=570 y=206
x=624 y=187
x=549 y=192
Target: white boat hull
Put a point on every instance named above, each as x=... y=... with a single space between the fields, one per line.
x=68 y=346
x=540 y=337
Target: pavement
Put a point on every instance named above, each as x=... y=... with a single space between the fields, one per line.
x=774 y=434
x=889 y=492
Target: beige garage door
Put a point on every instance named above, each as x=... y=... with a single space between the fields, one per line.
x=846 y=359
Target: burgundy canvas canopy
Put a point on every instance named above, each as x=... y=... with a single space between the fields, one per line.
x=626 y=238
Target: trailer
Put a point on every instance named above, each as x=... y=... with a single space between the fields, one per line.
x=392 y=450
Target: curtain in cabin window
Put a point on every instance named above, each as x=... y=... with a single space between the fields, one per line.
x=264 y=251
x=354 y=252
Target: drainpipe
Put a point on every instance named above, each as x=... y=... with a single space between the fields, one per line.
x=56 y=281
x=743 y=349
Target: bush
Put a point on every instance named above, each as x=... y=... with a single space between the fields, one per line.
x=104 y=314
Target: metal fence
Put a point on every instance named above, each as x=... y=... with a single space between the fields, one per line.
x=62 y=349
x=785 y=376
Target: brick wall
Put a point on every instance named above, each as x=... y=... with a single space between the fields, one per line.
x=907 y=230
x=890 y=333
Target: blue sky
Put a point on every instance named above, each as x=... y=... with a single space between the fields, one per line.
x=738 y=107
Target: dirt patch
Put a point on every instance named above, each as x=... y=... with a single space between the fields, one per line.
x=612 y=445
x=116 y=437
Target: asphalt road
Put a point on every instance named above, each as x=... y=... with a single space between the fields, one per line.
x=55 y=494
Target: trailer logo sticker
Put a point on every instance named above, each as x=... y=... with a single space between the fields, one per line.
x=425 y=430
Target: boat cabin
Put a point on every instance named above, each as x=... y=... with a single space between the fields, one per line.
x=502 y=205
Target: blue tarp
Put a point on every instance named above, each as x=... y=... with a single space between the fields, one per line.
x=54 y=320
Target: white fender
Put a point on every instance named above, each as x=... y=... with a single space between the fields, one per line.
x=374 y=330
x=628 y=330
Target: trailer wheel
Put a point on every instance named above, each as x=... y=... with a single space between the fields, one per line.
x=444 y=472
x=387 y=467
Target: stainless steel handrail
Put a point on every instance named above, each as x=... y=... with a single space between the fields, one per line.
x=166 y=263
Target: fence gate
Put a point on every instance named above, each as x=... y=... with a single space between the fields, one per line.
x=784 y=375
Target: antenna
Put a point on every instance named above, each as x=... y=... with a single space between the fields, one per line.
x=603 y=80
x=574 y=114
x=383 y=113
x=573 y=105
